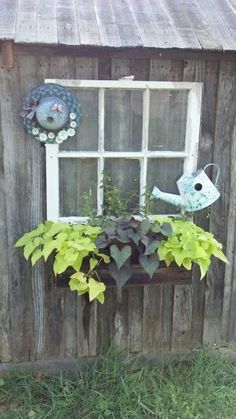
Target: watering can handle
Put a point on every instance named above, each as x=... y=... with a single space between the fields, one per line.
x=218 y=172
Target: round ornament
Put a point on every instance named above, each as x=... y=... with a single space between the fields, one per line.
x=48 y=112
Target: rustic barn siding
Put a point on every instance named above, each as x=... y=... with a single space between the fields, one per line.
x=39 y=320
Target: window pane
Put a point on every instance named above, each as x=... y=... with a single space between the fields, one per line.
x=86 y=138
x=164 y=173
x=125 y=176
x=123 y=120
x=167 y=121
x=77 y=177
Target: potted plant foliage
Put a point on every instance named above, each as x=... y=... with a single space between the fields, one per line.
x=118 y=242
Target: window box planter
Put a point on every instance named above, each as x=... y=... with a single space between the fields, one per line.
x=122 y=252
x=163 y=275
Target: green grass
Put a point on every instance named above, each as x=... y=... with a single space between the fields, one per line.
x=113 y=388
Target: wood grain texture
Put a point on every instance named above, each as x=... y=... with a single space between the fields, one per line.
x=194 y=70
x=225 y=119
x=67 y=26
x=152 y=319
x=225 y=37
x=189 y=24
x=7 y=51
x=200 y=26
x=8 y=19
x=182 y=318
x=5 y=282
x=181 y=24
x=26 y=22
x=87 y=23
x=125 y=23
x=106 y=24
x=146 y=27
x=228 y=311
x=55 y=305
x=17 y=170
x=47 y=22
x=86 y=68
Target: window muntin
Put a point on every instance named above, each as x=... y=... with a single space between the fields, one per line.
x=124 y=112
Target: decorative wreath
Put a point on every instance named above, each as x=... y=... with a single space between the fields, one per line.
x=50 y=113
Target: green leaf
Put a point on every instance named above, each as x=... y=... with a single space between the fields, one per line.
x=56 y=228
x=28 y=249
x=122 y=235
x=145 y=227
x=149 y=263
x=101 y=297
x=2 y=382
x=77 y=285
x=135 y=237
x=219 y=254
x=152 y=247
x=120 y=276
x=95 y=288
x=36 y=256
x=79 y=276
x=92 y=263
x=60 y=264
x=187 y=264
x=48 y=249
x=203 y=267
x=166 y=229
x=25 y=239
x=120 y=256
x=156 y=228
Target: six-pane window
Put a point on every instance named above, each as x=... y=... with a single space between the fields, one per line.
x=141 y=133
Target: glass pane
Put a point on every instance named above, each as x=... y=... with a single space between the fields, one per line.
x=123 y=120
x=164 y=173
x=124 y=175
x=167 y=120
x=86 y=138
x=78 y=186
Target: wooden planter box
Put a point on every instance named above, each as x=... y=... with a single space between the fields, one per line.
x=163 y=275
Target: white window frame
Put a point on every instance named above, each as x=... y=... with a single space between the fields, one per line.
x=189 y=155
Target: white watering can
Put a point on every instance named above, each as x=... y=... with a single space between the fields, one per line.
x=196 y=191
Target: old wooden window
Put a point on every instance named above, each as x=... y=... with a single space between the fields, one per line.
x=143 y=133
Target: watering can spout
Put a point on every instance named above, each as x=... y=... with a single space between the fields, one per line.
x=173 y=199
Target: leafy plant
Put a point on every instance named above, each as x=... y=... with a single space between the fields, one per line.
x=72 y=245
x=118 y=204
x=190 y=244
x=132 y=241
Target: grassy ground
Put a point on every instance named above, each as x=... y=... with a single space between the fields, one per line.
x=202 y=388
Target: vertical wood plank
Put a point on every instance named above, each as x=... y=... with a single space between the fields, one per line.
x=5 y=281
x=58 y=316
x=86 y=68
x=152 y=319
x=228 y=321
x=106 y=312
x=86 y=327
x=70 y=323
x=195 y=70
x=225 y=120
x=182 y=318
x=17 y=169
x=156 y=300
x=140 y=71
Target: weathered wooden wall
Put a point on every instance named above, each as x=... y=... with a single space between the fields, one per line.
x=40 y=321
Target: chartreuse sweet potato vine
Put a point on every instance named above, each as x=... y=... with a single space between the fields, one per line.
x=71 y=244
x=190 y=244
x=120 y=243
